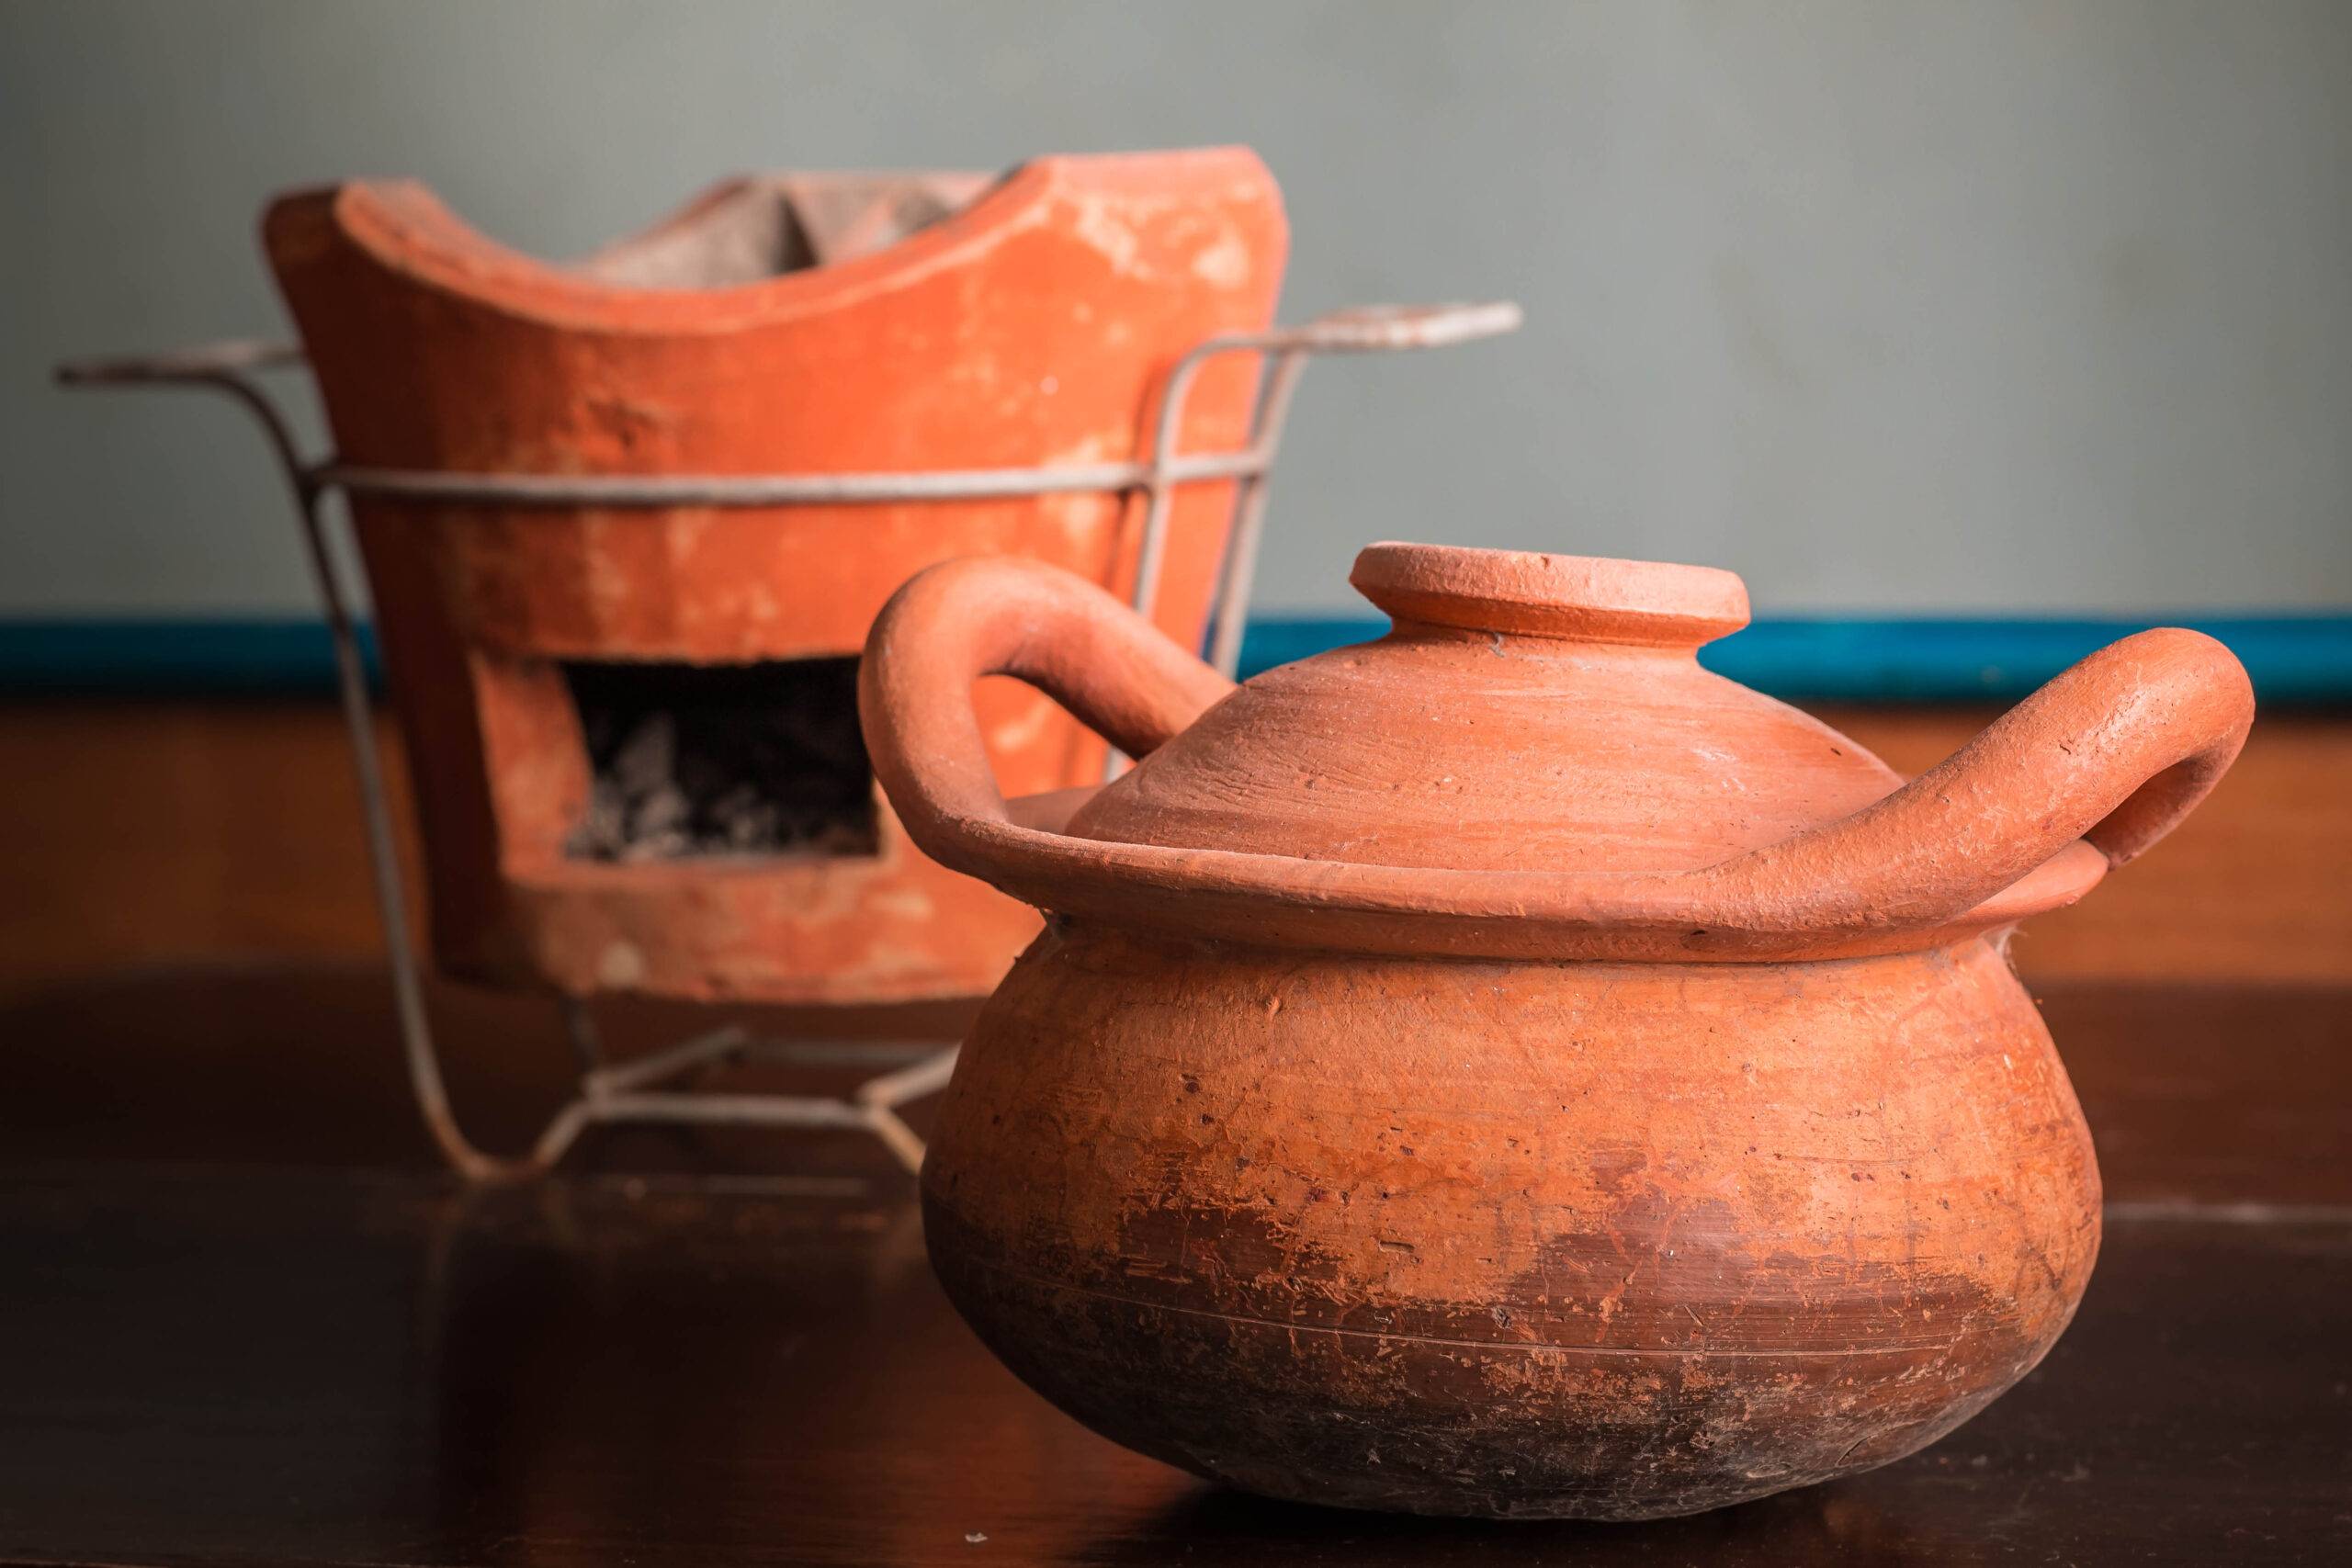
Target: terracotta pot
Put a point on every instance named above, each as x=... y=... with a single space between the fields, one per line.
x=1503 y=1069
x=796 y=325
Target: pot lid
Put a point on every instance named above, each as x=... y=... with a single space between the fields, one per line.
x=1525 y=711
x=1531 y=764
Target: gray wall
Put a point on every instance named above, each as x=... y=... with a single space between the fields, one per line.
x=1888 y=306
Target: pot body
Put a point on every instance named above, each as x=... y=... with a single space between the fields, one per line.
x=1511 y=1239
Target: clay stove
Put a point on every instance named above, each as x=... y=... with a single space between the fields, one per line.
x=626 y=523
x=572 y=679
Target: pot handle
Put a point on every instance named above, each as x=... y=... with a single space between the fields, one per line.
x=2115 y=750
x=961 y=620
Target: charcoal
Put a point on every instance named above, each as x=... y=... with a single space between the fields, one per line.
x=643 y=763
x=691 y=761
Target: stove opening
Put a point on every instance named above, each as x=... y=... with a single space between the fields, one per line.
x=696 y=760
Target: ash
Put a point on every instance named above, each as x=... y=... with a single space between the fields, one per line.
x=735 y=759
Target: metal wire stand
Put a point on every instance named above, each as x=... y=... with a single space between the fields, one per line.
x=627 y=1092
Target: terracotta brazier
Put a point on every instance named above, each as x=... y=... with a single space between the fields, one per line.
x=1503 y=1069
x=555 y=665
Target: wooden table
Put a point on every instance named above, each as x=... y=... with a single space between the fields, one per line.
x=230 y=1333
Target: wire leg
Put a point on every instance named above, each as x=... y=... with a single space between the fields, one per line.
x=1239 y=576
x=718 y=1045
x=880 y=1099
x=899 y=1138
x=580 y=1026
x=383 y=859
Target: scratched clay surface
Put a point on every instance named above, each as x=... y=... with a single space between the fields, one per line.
x=799 y=324
x=1503 y=1069
x=1599 y=1240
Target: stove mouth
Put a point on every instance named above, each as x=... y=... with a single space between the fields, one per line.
x=761 y=227
x=691 y=761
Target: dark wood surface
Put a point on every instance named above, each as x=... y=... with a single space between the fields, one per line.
x=241 y=1320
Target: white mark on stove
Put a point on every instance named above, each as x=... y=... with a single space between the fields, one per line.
x=620 y=966
x=1225 y=265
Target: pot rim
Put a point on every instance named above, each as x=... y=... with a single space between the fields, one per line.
x=1410 y=911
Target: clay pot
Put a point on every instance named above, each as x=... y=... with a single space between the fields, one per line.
x=1503 y=1069
x=783 y=325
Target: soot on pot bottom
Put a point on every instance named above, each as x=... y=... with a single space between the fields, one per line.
x=761 y=758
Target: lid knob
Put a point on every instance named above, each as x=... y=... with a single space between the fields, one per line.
x=1579 y=598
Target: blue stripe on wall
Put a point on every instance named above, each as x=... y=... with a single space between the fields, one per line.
x=171 y=658
x=2293 y=659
